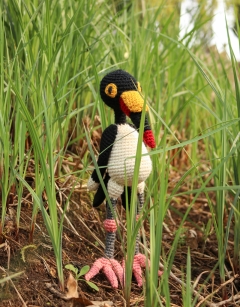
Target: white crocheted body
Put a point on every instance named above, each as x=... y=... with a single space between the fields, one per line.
x=120 y=165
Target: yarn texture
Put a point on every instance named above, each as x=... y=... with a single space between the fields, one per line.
x=148 y=139
x=133 y=102
x=118 y=150
x=139 y=261
x=122 y=159
x=110 y=267
x=110 y=225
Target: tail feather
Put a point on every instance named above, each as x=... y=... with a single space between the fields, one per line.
x=100 y=195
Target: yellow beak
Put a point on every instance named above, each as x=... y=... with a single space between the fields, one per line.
x=134 y=101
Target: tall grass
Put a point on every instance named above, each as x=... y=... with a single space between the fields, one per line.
x=52 y=56
x=236 y=160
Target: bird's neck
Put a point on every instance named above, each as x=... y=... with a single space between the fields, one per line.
x=120 y=117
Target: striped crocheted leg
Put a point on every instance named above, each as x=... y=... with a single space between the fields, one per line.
x=110 y=227
x=140 y=260
x=114 y=191
x=110 y=267
x=139 y=209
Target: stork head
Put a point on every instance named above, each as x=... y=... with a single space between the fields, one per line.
x=122 y=92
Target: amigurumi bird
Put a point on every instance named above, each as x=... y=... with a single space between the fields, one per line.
x=121 y=92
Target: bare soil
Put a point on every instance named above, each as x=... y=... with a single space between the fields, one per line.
x=83 y=236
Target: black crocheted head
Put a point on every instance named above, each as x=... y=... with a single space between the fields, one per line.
x=114 y=84
x=121 y=92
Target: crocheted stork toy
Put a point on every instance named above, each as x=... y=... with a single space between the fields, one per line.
x=121 y=92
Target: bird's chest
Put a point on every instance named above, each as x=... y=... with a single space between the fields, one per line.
x=121 y=164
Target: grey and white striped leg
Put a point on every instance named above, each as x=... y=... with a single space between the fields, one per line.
x=110 y=267
x=114 y=191
x=140 y=260
x=139 y=209
x=110 y=227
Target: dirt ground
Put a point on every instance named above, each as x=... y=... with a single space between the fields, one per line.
x=80 y=247
x=83 y=239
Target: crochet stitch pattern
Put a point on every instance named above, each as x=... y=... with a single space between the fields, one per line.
x=118 y=147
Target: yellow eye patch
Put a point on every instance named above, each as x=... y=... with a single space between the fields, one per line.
x=111 y=90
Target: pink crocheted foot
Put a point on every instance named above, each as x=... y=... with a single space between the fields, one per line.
x=139 y=262
x=110 y=267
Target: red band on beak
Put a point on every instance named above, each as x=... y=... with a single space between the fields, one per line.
x=124 y=108
x=148 y=139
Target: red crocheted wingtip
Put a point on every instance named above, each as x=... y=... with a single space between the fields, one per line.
x=148 y=139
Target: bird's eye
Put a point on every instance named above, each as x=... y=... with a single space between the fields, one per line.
x=111 y=90
x=139 y=88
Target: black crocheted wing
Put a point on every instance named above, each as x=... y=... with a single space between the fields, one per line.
x=107 y=141
x=99 y=196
